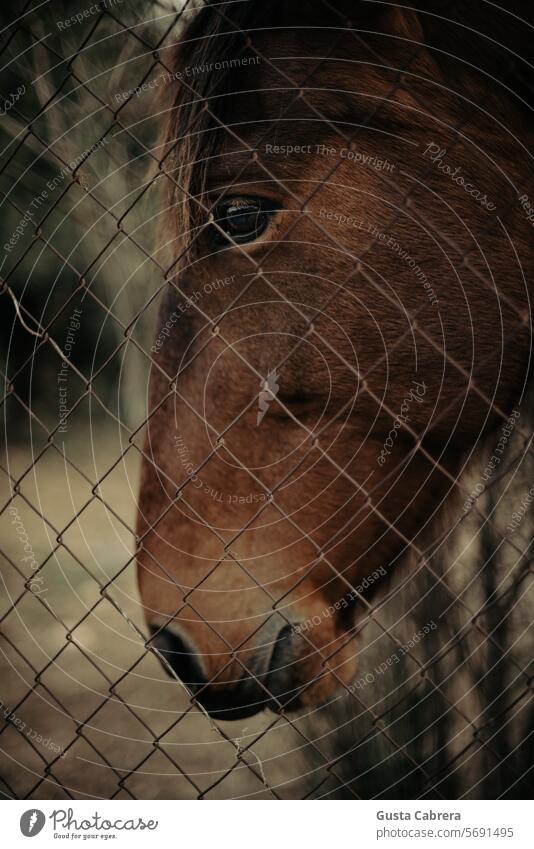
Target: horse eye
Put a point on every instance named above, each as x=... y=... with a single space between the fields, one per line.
x=242 y=219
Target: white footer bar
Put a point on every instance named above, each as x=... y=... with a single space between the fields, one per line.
x=257 y=824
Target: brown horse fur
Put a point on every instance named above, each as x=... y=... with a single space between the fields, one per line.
x=224 y=564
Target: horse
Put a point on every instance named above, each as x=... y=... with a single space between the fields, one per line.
x=338 y=426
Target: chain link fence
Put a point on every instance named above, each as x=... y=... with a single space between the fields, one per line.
x=441 y=706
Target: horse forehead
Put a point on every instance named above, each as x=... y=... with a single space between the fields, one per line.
x=336 y=60
x=313 y=96
x=304 y=79
x=276 y=129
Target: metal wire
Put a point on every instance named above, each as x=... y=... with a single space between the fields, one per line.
x=383 y=727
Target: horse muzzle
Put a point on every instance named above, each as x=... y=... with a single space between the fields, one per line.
x=266 y=678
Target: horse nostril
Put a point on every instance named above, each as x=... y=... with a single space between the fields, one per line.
x=266 y=684
x=180 y=656
x=281 y=675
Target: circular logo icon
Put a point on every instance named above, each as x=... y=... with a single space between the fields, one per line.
x=32 y=822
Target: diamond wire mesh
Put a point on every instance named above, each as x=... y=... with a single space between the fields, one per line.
x=132 y=775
